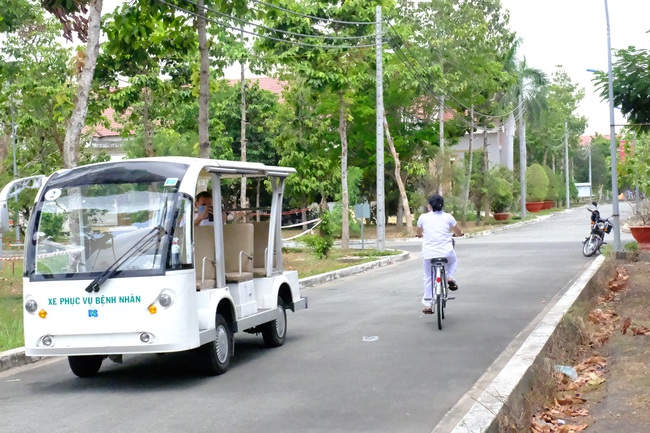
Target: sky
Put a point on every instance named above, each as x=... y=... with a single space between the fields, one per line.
x=573 y=33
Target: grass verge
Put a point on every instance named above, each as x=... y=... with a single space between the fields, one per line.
x=11 y=300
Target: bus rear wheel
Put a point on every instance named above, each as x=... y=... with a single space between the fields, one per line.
x=275 y=332
x=216 y=354
x=85 y=366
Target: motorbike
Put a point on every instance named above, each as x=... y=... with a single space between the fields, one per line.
x=599 y=228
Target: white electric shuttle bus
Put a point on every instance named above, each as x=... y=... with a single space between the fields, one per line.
x=115 y=265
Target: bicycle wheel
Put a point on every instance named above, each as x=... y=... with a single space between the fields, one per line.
x=591 y=245
x=439 y=297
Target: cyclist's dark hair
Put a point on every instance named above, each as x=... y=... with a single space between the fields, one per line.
x=437 y=202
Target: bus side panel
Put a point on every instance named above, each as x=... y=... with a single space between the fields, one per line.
x=266 y=289
x=113 y=320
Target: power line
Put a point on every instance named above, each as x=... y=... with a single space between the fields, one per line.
x=286 y=32
x=303 y=44
x=490 y=116
x=329 y=20
x=402 y=57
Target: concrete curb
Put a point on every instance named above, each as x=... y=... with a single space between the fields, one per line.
x=16 y=357
x=484 y=414
x=334 y=275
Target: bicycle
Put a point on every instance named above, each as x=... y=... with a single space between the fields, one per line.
x=440 y=290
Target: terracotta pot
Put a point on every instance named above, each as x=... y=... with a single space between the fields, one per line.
x=501 y=216
x=534 y=206
x=548 y=204
x=642 y=236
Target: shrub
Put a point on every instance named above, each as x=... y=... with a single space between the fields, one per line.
x=554 y=184
x=536 y=183
x=500 y=189
x=322 y=242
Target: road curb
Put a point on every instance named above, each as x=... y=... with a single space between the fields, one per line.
x=16 y=357
x=484 y=414
x=334 y=275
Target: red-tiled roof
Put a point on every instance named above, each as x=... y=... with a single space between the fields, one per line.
x=266 y=83
x=112 y=130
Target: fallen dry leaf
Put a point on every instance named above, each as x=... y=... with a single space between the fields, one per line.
x=626 y=324
x=643 y=330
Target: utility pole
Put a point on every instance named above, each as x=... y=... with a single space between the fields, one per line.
x=522 y=157
x=566 y=164
x=13 y=143
x=590 y=180
x=381 y=213
x=617 y=246
x=242 y=197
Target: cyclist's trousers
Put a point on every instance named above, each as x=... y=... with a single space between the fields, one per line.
x=450 y=267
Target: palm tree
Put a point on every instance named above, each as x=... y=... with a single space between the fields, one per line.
x=528 y=95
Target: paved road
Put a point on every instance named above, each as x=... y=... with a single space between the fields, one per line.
x=361 y=359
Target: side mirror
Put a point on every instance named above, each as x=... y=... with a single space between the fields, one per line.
x=594 y=203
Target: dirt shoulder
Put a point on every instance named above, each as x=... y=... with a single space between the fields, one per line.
x=621 y=403
x=606 y=388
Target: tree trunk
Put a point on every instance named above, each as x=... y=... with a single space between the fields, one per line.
x=78 y=116
x=148 y=129
x=243 y=134
x=343 y=128
x=469 y=169
x=486 y=169
x=204 y=83
x=398 y=179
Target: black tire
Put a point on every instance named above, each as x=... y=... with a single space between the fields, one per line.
x=216 y=354
x=591 y=245
x=275 y=332
x=85 y=366
x=439 y=310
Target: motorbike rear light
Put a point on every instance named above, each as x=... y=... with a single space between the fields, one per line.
x=438 y=279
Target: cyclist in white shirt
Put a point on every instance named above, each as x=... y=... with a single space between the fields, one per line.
x=435 y=228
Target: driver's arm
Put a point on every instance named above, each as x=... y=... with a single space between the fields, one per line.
x=419 y=232
x=457 y=231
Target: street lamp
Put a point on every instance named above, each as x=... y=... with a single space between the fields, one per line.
x=617 y=247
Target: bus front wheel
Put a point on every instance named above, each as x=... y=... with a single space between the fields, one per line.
x=85 y=366
x=217 y=353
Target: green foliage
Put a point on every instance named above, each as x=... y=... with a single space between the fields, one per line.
x=536 y=183
x=630 y=86
x=337 y=221
x=323 y=242
x=555 y=185
x=634 y=169
x=499 y=185
x=573 y=192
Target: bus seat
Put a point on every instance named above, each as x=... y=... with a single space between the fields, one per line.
x=205 y=265
x=238 y=252
x=260 y=251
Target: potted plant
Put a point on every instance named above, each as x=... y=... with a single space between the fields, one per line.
x=536 y=187
x=554 y=188
x=500 y=192
x=639 y=224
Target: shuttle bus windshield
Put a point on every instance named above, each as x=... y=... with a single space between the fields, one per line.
x=115 y=219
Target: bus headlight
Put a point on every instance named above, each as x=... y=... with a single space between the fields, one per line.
x=145 y=337
x=165 y=300
x=47 y=341
x=31 y=306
